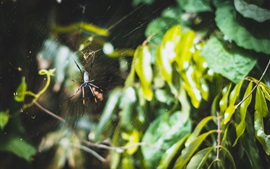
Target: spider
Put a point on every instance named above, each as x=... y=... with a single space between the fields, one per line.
x=87 y=82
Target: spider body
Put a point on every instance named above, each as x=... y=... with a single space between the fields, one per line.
x=87 y=83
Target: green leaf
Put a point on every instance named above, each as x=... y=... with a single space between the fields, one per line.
x=108 y=111
x=127 y=102
x=240 y=128
x=195 y=5
x=233 y=96
x=188 y=152
x=171 y=153
x=252 y=11
x=162 y=133
x=4 y=117
x=224 y=151
x=260 y=103
x=21 y=91
x=234 y=63
x=143 y=69
x=223 y=103
x=199 y=159
x=18 y=146
x=261 y=110
x=198 y=129
x=248 y=143
x=256 y=38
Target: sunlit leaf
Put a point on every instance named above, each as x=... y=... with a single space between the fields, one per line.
x=162 y=133
x=198 y=129
x=240 y=128
x=188 y=152
x=184 y=49
x=17 y=145
x=132 y=139
x=248 y=36
x=171 y=153
x=195 y=5
x=166 y=52
x=21 y=91
x=143 y=69
x=4 y=117
x=233 y=63
x=199 y=159
x=233 y=96
x=252 y=11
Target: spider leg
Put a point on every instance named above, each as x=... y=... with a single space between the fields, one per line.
x=92 y=62
x=77 y=65
x=83 y=98
x=75 y=92
x=95 y=97
x=91 y=84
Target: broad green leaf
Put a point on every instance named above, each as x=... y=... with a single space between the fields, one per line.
x=233 y=96
x=158 y=27
x=234 y=63
x=17 y=145
x=138 y=2
x=4 y=117
x=163 y=132
x=261 y=110
x=199 y=159
x=195 y=5
x=143 y=69
x=171 y=153
x=240 y=128
x=108 y=111
x=198 y=129
x=248 y=35
x=188 y=152
x=126 y=105
x=252 y=11
x=21 y=91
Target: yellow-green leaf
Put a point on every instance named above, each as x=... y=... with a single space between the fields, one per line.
x=21 y=91
x=132 y=139
x=233 y=96
x=240 y=128
x=4 y=117
x=143 y=69
x=164 y=64
x=188 y=152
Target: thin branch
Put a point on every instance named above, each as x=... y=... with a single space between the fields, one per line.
x=218 y=136
x=257 y=84
x=86 y=149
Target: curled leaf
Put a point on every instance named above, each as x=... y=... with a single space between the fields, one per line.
x=252 y=11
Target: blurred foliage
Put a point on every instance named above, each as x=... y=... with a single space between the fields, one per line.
x=196 y=93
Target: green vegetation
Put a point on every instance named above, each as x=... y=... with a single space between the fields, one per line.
x=196 y=94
